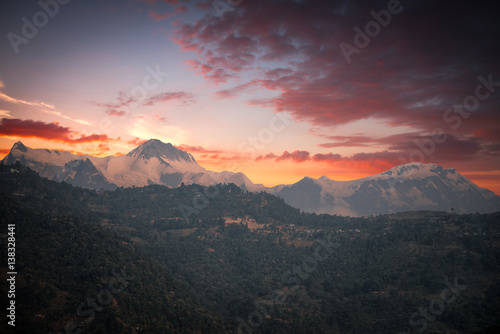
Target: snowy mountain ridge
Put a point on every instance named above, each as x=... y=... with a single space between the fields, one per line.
x=413 y=186
x=152 y=162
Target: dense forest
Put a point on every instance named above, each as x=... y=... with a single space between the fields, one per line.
x=222 y=260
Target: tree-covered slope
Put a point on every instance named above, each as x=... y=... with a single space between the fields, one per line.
x=77 y=275
x=219 y=259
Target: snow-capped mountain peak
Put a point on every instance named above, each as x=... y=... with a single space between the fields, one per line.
x=416 y=170
x=155 y=148
x=413 y=186
x=20 y=147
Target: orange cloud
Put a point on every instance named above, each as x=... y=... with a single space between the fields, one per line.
x=51 y=131
x=366 y=162
x=136 y=141
x=296 y=156
x=117 y=113
x=196 y=149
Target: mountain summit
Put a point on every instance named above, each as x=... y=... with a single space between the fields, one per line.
x=155 y=148
x=20 y=147
x=413 y=186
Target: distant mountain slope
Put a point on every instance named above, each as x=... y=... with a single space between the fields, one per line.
x=413 y=186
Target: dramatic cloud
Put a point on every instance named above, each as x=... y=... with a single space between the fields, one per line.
x=124 y=102
x=356 y=141
x=5 y=114
x=449 y=148
x=7 y=98
x=226 y=93
x=401 y=149
x=160 y=118
x=226 y=162
x=166 y=15
x=408 y=74
x=196 y=149
x=266 y=157
x=367 y=162
x=297 y=156
x=114 y=112
x=41 y=106
x=185 y=98
x=137 y=141
x=102 y=148
x=51 y=131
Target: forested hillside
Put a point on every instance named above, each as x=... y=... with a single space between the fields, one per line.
x=218 y=259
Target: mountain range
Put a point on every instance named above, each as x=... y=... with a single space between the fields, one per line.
x=152 y=162
x=413 y=186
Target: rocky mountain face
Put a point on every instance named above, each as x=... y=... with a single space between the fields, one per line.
x=413 y=186
x=155 y=148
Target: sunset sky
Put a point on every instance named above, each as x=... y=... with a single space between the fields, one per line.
x=277 y=90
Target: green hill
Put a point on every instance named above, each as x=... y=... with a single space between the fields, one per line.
x=219 y=259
